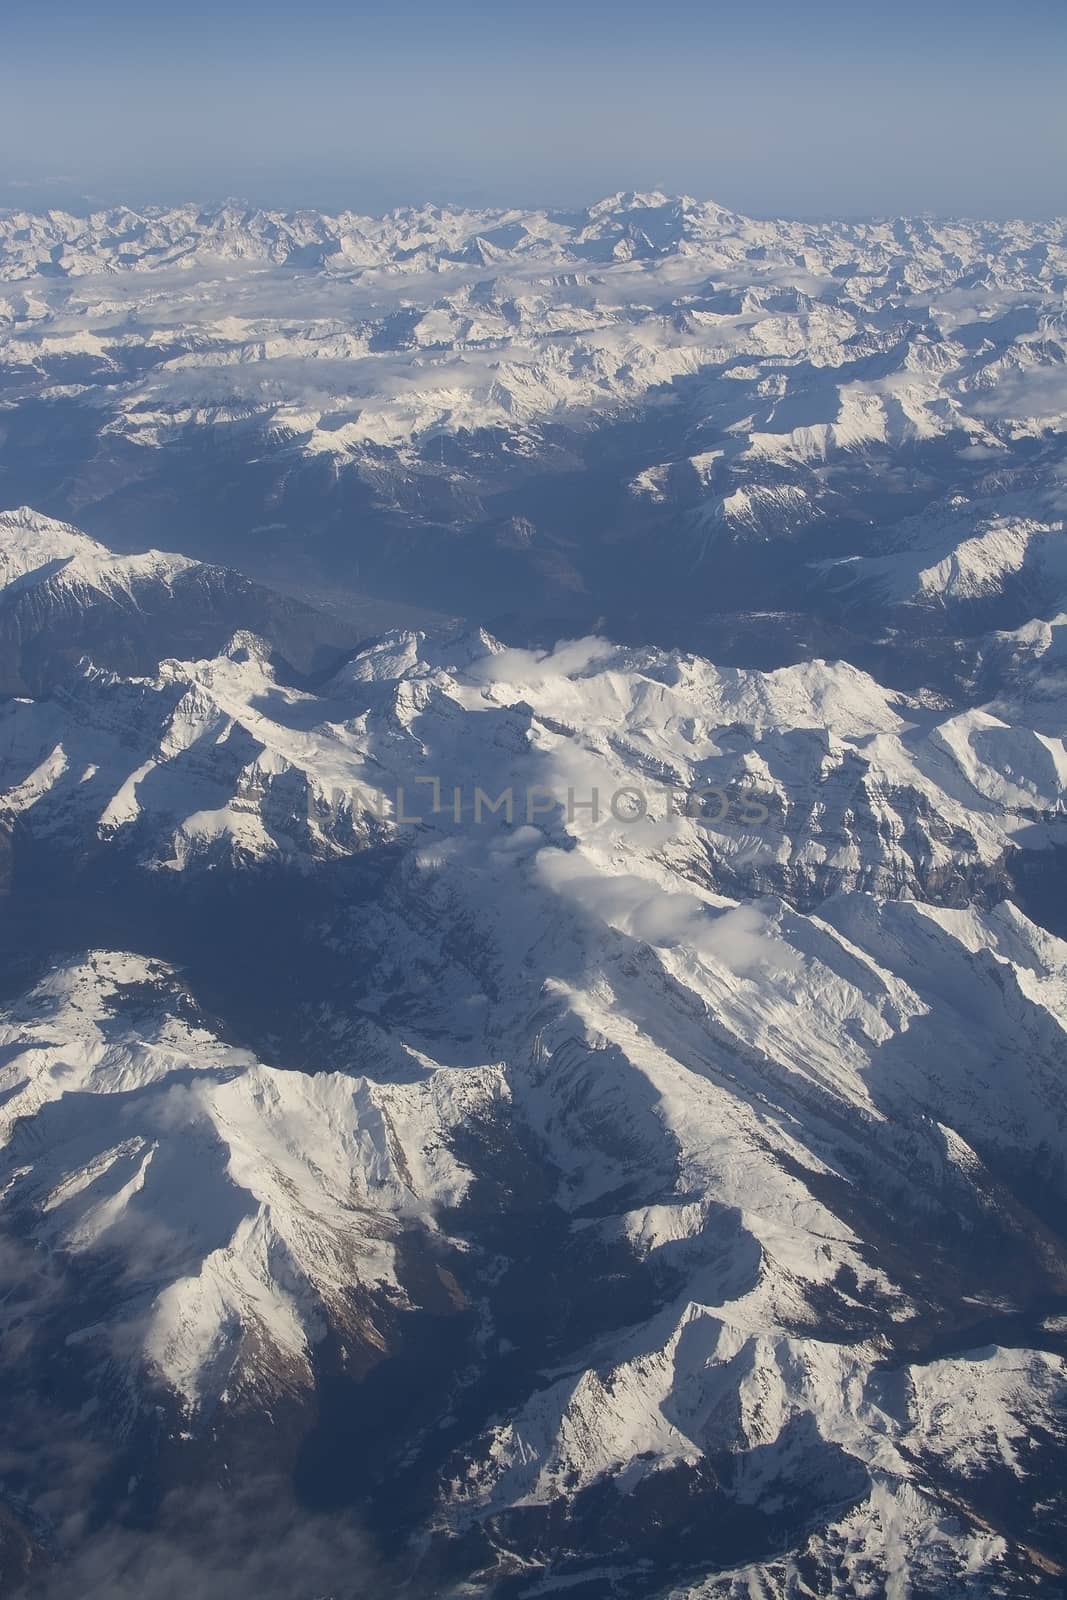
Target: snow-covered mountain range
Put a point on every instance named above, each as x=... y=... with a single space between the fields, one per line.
x=654 y=411
x=619 y=1117
x=801 y=781
x=570 y=1095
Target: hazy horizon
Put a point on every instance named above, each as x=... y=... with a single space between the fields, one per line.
x=359 y=198
x=813 y=112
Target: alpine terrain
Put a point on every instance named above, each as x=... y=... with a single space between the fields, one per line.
x=533 y=962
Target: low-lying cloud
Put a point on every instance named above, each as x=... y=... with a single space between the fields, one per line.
x=738 y=937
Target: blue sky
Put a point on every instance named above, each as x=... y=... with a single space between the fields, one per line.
x=792 y=109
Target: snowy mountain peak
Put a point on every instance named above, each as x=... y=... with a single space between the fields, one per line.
x=31 y=544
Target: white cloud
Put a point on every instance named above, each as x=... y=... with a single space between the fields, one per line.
x=533 y=667
x=737 y=937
